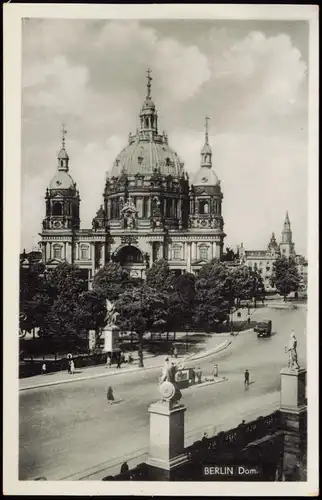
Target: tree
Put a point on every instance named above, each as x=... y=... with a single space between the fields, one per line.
x=247 y=284
x=214 y=295
x=285 y=277
x=111 y=280
x=140 y=309
x=159 y=276
x=64 y=318
x=31 y=284
x=91 y=311
x=181 y=301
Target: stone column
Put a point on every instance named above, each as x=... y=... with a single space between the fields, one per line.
x=161 y=250
x=188 y=256
x=166 y=452
x=77 y=250
x=151 y=252
x=93 y=258
x=213 y=246
x=103 y=254
x=50 y=250
x=65 y=250
x=294 y=423
x=44 y=252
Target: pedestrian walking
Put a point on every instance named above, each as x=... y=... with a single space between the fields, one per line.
x=118 y=362
x=199 y=374
x=69 y=366
x=175 y=352
x=72 y=367
x=108 y=362
x=246 y=381
x=110 y=395
x=122 y=358
x=43 y=369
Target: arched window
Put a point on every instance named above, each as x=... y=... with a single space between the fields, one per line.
x=84 y=252
x=177 y=252
x=203 y=252
x=203 y=207
x=57 y=251
x=57 y=208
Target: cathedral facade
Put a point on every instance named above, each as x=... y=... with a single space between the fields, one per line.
x=150 y=208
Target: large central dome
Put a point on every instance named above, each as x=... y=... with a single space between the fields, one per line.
x=147 y=150
x=143 y=156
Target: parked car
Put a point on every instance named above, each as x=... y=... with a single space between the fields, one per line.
x=263 y=328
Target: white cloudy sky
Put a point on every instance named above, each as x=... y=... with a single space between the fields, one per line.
x=249 y=77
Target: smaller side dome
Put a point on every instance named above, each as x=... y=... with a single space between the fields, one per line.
x=205 y=177
x=62 y=180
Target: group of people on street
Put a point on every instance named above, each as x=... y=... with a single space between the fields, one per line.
x=120 y=360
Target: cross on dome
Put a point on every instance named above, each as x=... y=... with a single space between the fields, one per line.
x=63 y=134
x=206 y=126
x=149 y=78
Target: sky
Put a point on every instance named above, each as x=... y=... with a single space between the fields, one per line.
x=249 y=77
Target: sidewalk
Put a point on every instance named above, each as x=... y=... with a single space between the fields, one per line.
x=85 y=373
x=150 y=362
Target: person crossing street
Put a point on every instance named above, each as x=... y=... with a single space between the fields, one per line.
x=246 y=381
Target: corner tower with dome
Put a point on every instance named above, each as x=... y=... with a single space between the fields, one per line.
x=150 y=209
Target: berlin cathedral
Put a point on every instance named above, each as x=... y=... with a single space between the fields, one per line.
x=151 y=210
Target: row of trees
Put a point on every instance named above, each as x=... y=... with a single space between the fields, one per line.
x=60 y=305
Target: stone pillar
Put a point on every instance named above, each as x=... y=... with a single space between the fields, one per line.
x=161 y=250
x=213 y=245
x=50 y=250
x=294 y=423
x=166 y=452
x=194 y=253
x=93 y=258
x=77 y=250
x=90 y=280
x=44 y=252
x=188 y=254
x=103 y=255
x=151 y=253
x=65 y=250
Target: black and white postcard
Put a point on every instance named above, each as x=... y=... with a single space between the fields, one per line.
x=160 y=257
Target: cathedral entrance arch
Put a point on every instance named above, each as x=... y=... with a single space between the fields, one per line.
x=128 y=255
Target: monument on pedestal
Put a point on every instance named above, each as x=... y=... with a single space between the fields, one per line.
x=294 y=415
x=166 y=453
x=110 y=330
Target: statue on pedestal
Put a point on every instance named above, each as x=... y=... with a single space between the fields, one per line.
x=168 y=387
x=111 y=314
x=291 y=348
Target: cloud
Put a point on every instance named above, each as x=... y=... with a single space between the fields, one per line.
x=91 y=75
x=265 y=75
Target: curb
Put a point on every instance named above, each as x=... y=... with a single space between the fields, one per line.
x=79 y=379
x=211 y=382
x=221 y=347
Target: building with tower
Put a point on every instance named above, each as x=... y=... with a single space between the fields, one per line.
x=150 y=209
x=263 y=260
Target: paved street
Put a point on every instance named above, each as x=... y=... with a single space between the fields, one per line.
x=69 y=431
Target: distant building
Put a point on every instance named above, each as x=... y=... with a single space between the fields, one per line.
x=263 y=260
